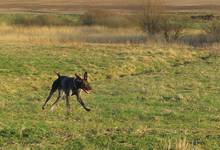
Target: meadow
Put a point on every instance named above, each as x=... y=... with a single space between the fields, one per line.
x=148 y=93
x=144 y=97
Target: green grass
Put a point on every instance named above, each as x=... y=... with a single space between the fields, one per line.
x=189 y=23
x=101 y=18
x=144 y=97
x=38 y=19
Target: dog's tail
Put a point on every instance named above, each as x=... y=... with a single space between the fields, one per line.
x=58 y=74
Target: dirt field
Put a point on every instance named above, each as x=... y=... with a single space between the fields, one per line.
x=113 y=5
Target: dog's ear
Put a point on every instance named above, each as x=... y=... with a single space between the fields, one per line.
x=78 y=76
x=85 y=76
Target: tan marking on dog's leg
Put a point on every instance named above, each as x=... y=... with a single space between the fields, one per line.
x=57 y=100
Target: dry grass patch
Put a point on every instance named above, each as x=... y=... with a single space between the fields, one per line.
x=67 y=34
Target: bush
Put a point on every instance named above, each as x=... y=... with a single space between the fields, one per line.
x=213 y=28
x=212 y=31
x=104 y=18
x=152 y=18
x=172 y=30
x=88 y=18
x=41 y=20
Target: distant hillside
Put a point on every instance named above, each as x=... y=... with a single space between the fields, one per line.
x=113 y=5
x=193 y=2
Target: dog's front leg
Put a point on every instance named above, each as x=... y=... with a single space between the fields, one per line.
x=79 y=99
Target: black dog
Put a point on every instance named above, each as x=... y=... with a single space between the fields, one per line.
x=70 y=86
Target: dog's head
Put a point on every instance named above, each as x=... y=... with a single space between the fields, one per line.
x=83 y=83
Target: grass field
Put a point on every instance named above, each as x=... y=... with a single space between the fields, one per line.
x=148 y=93
x=144 y=97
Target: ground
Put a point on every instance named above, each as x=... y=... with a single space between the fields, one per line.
x=144 y=97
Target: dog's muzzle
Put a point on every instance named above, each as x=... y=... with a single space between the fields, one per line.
x=86 y=91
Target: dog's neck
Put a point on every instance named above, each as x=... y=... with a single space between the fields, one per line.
x=76 y=84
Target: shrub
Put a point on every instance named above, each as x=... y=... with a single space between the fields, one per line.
x=104 y=18
x=41 y=20
x=23 y=20
x=213 y=28
x=212 y=32
x=88 y=18
x=172 y=30
x=154 y=20
x=152 y=17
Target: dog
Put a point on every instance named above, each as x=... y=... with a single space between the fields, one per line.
x=69 y=86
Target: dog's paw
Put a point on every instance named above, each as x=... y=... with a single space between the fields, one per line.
x=88 y=109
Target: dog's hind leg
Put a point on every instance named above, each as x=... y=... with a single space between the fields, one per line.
x=60 y=93
x=48 y=98
x=53 y=89
x=68 y=104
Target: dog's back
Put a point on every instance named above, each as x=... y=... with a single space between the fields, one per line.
x=64 y=83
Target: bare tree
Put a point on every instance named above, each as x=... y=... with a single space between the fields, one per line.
x=152 y=16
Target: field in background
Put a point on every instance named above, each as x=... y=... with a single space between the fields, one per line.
x=109 y=28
